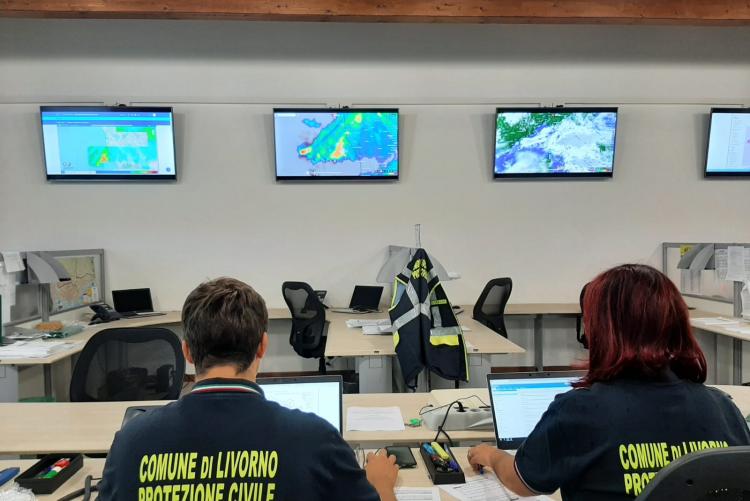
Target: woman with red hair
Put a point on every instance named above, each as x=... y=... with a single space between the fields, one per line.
x=641 y=405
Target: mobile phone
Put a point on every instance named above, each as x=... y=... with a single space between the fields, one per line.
x=404 y=457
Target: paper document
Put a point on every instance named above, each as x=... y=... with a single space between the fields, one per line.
x=485 y=488
x=736 y=266
x=13 y=261
x=369 y=330
x=353 y=323
x=417 y=494
x=721 y=263
x=374 y=419
x=35 y=349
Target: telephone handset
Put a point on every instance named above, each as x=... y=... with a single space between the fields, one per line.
x=103 y=313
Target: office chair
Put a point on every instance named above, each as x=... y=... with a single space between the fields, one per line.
x=580 y=335
x=130 y=364
x=490 y=307
x=309 y=326
x=712 y=474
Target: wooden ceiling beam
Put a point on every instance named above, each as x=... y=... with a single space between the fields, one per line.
x=686 y=12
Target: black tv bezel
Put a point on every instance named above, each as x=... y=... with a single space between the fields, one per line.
x=110 y=177
x=557 y=175
x=706 y=173
x=337 y=178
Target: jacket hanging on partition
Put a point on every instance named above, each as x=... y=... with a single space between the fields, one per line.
x=426 y=332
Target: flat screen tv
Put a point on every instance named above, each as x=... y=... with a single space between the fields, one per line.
x=554 y=142
x=728 y=152
x=320 y=144
x=107 y=143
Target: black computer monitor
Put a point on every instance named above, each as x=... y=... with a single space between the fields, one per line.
x=108 y=143
x=728 y=152
x=554 y=142
x=341 y=143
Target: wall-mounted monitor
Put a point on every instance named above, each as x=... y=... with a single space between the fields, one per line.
x=728 y=143
x=103 y=143
x=554 y=142
x=320 y=144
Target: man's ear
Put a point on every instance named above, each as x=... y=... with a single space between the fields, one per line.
x=263 y=347
x=186 y=352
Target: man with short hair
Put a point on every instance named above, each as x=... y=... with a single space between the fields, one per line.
x=224 y=440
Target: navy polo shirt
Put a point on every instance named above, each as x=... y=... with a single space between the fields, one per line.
x=226 y=442
x=606 y=442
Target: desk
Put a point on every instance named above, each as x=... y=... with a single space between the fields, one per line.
x=414 y=477
x=90 y=427
x=720 y=330
x=374 y=354
x=11 y=365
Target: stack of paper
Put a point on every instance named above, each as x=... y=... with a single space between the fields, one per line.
x=370 y=330
x=34 y=349
x=353 y=323
x=485 y=488
x=374 y=419
x=417 y=494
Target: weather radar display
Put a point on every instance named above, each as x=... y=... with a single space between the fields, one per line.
x=336 y=143
x=535 y=142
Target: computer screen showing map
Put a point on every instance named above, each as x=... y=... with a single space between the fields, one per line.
x=729 y=143
x=336 y=143
x=108 y=142
x=555 y=142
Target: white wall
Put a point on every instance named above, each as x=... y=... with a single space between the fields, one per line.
x=227 y=215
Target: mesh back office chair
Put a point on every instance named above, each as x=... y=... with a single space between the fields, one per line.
x=713 y=474
x=309 y=326
x=129 y=365
x=490 y=307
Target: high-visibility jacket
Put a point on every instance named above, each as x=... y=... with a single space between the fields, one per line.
x=426 y=332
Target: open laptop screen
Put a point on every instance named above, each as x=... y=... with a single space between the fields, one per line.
x=132 y=300
x=519 y=400
x=320 y=395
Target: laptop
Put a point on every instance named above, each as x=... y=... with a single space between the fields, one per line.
x=365 y=299
x=320 y=395
x=134 y=303
x=519 y=399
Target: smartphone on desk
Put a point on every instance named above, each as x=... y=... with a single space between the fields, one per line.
x=404 y=457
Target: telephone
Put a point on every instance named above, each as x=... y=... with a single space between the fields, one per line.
x=103 y=313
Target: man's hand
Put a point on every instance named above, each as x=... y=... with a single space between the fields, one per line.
x=482 y=455
x=382 y=473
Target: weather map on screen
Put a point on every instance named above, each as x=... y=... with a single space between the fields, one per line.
x=555 y=142
x=92 y=142
x=336 y=143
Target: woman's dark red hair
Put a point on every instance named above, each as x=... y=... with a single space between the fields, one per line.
x=637 y=325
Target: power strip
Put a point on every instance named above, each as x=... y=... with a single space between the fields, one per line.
x=466 y=419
